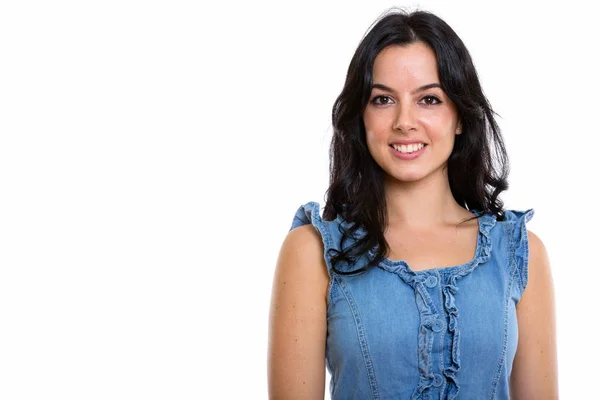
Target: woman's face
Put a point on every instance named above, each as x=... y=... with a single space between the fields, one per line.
x=410 y=123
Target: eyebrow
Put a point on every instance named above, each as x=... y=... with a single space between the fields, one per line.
x=417 y=90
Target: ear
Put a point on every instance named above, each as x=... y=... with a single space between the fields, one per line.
x=459 y=128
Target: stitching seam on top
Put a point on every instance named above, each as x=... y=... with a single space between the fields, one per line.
x=511 y=251
x=362 y=339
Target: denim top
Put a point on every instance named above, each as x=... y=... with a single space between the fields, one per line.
x=441 y=333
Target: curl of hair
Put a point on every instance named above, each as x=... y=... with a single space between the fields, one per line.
x=477 y=167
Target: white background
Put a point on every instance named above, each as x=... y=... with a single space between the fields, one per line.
x=153 y=154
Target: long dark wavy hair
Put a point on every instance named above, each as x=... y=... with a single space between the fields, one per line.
x=477 y=167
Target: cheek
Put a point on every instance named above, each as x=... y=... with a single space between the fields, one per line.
x=372 y=130
x=439 y=126
x=376 y=144
x=374 y=121
x=375 y=126
x=371 y=139
x=375 y=138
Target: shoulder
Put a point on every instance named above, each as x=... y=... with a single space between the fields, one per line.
x=538 y=281
x=301 y=257
x=536 y=246
x=539 y=264
x=303 y=240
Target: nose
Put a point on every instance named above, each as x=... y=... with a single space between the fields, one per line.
x=405 y=120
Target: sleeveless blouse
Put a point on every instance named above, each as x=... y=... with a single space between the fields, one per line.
x=441 y=333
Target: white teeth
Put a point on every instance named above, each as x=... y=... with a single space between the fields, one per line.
x=408 y=149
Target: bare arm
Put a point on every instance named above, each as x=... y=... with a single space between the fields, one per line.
x=534 y=374
x=297 y=322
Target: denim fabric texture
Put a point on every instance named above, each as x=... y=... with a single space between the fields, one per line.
x=442 y=333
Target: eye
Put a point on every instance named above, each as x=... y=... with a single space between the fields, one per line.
x=430 y=100
x=381 y=100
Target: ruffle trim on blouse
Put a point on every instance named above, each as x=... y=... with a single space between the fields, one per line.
x=519 y=219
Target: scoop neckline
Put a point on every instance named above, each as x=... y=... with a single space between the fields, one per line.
x=481 y=233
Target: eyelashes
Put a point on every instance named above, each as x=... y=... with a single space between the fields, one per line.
x=430 y=100
x=383 y=100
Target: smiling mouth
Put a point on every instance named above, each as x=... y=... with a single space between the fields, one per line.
x=408 y=149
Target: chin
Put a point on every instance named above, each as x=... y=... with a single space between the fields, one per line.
x=407 y=176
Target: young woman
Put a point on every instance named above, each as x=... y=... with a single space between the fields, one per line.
x=414 y=283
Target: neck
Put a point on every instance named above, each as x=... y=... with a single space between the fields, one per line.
x=423 y=204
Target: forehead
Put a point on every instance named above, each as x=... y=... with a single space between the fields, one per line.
x=410 y=65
